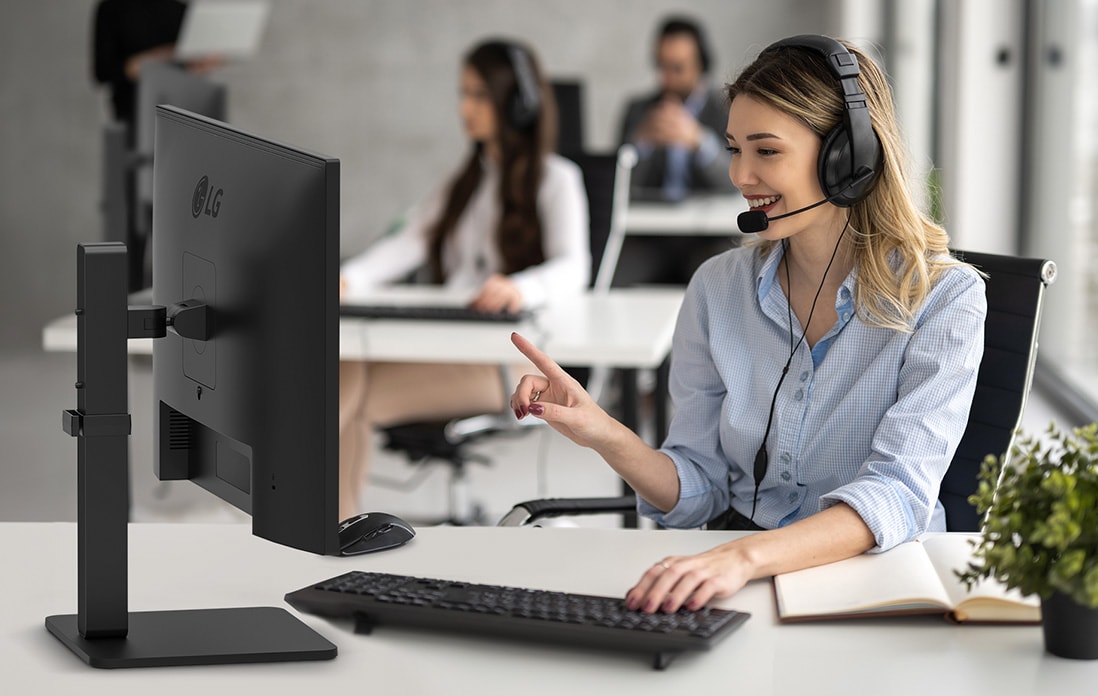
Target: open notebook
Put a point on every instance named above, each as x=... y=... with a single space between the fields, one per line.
x=913 y=578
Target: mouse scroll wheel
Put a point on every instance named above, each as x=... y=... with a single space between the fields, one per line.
x=381 y=530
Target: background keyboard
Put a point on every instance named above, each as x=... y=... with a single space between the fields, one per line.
x=433 y=312
x=378 y=599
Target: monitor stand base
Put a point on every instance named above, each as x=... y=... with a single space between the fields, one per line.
x=197 y=637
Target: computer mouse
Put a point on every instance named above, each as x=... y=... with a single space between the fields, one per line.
x=372 y=531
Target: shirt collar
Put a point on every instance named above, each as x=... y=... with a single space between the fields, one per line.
x=696 y=99
x=767 y=275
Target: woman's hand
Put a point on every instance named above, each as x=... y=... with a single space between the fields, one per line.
x=559 y=400
x=691 y=581
x=498 y=294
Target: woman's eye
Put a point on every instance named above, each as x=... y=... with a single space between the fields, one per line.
x=733 y=149
x=766 y=152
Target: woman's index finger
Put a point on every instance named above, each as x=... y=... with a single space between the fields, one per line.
x=543 y=362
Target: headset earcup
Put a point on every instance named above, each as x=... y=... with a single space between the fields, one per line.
x=834 y=168
x=519 y=114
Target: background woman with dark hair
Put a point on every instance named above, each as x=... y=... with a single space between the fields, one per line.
x=510 y=228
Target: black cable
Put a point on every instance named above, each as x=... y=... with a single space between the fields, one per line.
x=762 y=458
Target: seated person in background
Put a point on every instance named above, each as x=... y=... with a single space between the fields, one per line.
x=128 y=33
x=511 y=225
x=822 y=378
x=678 y=130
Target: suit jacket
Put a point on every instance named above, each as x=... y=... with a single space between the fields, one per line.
x=710 y=175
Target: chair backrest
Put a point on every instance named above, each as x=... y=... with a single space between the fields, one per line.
x=569 y=97
x=606 y=180
x=1015 y=290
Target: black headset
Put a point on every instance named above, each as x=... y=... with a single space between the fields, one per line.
x=524 y=106
x=851 y=150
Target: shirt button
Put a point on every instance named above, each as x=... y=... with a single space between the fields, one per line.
x=846 y=316
x=792 y=497
x=786 y=476
x=804 y=375
x=799 y=395
x=785 y=457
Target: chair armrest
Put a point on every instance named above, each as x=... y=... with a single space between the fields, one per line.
x=531 y=510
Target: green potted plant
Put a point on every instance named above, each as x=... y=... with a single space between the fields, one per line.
x=1040 y=534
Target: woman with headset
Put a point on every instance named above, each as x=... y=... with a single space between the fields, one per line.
x=822 y=377
x=510 y=227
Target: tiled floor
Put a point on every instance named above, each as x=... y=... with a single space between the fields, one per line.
x=38 y=460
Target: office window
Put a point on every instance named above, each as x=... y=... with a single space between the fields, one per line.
x=1061 y=189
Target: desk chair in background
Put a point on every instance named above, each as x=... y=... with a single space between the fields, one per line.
x=448 y=442
x=568 y=95
x=1015 y=291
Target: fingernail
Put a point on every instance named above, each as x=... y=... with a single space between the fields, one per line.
x=537 y=409
x=669 y=606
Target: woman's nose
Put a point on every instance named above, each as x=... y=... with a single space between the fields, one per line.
x=740 y=173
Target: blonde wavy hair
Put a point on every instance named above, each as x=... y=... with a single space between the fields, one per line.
x=899 y=252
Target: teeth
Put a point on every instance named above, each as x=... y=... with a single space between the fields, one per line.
x=759 y=202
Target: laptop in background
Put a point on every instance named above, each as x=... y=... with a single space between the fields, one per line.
x=227 y=28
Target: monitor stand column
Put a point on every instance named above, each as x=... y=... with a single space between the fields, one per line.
x=103 y=632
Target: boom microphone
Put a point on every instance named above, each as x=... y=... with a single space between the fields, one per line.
x=755 y=221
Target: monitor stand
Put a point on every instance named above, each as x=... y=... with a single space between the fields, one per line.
x=103 y=632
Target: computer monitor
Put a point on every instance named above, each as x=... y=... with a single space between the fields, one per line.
x=245 y=362
x=250 y=228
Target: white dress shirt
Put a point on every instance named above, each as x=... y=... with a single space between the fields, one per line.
x=471 y=255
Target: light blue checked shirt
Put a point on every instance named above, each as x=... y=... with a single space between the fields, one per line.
x=869 y=417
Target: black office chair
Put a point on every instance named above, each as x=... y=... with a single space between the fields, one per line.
x=1015 y=290
x=448 y=442
x=568 y=95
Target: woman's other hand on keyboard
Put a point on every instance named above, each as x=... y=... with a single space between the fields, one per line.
x=498 y=294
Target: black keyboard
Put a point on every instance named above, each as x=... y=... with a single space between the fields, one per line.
x=432 y=312
x=378 y=599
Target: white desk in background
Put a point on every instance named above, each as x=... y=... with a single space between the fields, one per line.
x=697 y=215
x=188 y=566
x=624 y=328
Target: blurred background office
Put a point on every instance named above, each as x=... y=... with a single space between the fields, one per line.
x=996 y=97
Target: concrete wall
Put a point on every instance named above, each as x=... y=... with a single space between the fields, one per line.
x=372 y=82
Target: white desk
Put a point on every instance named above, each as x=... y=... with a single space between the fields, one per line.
x=698 y=215
x=199 y=566
x=626 y=327
x=622 y=327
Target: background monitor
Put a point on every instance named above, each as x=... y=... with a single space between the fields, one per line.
x=250 y=228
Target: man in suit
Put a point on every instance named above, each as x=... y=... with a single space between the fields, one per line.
x=678 y=132
x=679 y=129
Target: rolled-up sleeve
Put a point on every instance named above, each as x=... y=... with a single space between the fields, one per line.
x=693 y=443
x=896 y=489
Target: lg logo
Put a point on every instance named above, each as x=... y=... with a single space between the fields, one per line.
x=203 y=202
